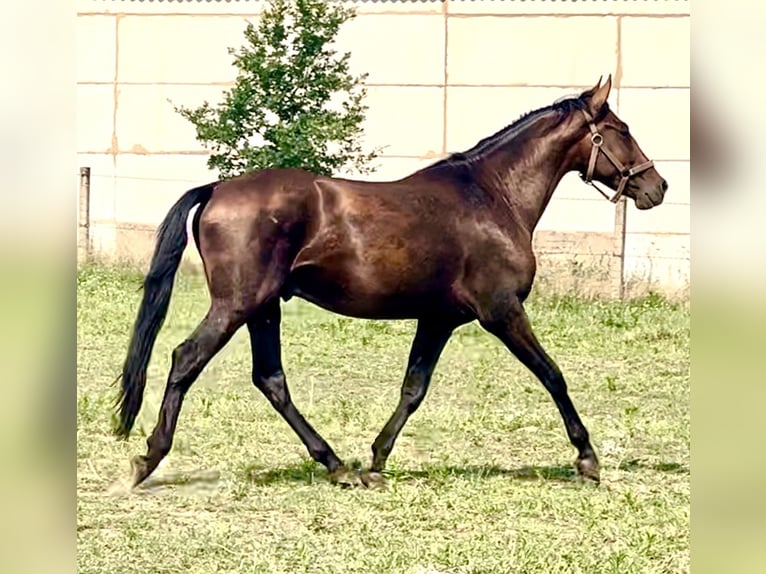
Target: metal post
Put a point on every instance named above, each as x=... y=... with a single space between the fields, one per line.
x=83 y=230
x=619 y=230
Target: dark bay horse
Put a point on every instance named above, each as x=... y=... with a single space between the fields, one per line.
x=447 y=245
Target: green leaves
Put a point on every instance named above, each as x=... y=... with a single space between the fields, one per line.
x=294 y=102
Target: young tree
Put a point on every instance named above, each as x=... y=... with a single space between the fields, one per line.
x=294 y=102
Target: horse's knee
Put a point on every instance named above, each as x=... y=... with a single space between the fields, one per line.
x=274 y=387
x=414 y=390
x=555 y=383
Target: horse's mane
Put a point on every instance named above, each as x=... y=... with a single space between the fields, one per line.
x=565 y=104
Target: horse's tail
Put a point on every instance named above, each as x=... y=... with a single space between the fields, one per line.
x=158 y=286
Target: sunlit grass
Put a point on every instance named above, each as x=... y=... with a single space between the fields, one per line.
x=480 y=480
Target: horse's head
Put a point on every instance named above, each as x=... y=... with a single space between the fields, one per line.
x=613 y=156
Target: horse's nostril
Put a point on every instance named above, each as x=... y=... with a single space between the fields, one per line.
x=664 y=186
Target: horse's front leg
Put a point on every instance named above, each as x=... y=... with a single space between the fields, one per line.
x=507 y=320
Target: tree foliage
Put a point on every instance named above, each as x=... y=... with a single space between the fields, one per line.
x=294 y=102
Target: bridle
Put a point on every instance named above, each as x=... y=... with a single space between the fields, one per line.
x=598 y=145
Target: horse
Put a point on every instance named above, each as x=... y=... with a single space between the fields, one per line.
x=446 y=245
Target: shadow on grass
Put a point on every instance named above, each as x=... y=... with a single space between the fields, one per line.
x=191 y=478
x=636 y=465
x=310 y=473
x=306 y=473
x=535 y=473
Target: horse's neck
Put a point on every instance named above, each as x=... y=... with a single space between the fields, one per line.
x=526 y=176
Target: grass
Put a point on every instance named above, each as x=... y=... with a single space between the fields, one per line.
x=480 y=480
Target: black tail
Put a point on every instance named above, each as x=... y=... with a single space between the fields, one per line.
x=158 y=286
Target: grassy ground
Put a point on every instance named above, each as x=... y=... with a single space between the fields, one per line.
x=481 y=478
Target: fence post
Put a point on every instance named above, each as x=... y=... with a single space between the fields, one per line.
x=619 y=230
x=83 y=230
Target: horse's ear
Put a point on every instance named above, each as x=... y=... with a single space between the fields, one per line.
x=599 y=96
x=589 y=93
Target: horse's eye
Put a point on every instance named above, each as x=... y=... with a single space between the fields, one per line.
x=624 y=131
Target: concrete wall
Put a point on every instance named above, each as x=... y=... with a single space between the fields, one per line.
x=442 y=74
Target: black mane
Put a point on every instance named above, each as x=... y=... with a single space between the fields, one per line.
x=462 y=160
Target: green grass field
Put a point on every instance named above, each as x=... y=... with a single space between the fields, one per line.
x=481 y=479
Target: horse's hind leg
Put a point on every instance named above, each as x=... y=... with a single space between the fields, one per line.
x=189 y=358
x=269 y=378
x=508 y=322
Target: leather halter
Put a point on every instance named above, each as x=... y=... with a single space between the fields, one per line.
x=598 y=145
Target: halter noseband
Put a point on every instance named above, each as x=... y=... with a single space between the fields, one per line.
x=598 y=145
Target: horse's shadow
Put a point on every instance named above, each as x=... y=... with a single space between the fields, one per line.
x=309 y=473
x=635 y=465
x=192 y=480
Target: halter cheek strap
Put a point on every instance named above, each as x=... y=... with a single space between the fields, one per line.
x=598 y=146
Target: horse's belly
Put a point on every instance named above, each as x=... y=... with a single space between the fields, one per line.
x=355 y=292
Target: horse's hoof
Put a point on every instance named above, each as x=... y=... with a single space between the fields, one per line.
x=373 y=479
x=140 y=466
x=588 y=469
x=346 y=477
